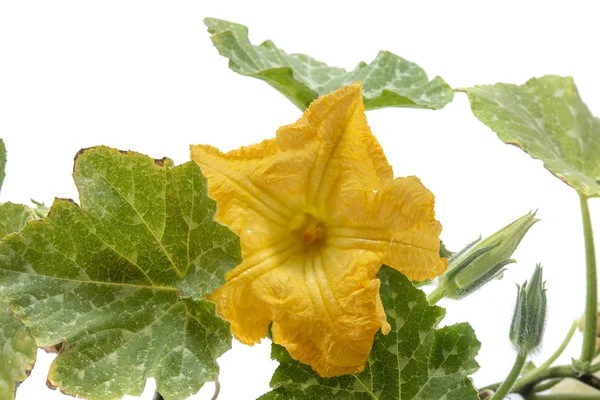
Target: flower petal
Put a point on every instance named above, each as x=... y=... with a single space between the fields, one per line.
x=326 y=308
x=230 y=183
x=399 y=221
x=236 y=300
x=347 y=154
x=326 y=175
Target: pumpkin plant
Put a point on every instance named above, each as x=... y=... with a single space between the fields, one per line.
x=307 y=238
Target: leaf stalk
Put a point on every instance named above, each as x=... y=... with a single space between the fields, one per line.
x=217 y=389
x=591 y=303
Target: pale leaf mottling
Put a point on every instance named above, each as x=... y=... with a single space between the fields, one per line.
x=388 y=81
x=121 y=279
x=547 y=119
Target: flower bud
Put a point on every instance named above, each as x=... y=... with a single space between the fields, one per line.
x=527 y=327
x=483 y=261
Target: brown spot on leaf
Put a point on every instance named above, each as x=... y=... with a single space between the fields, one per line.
x=50 y=386
x=56 y=348
x=486 y=394
x=80 y=152
x=161 y=162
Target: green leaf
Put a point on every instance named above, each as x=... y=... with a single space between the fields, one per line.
x=414 y=361
x=2 y=162
x=444 y=252
x=17 y=347
x=41 y=210
x=116 y=278
x=17 y=352
x=15 y=338
x=13 y=217
x=547 y=119
x=388 y=81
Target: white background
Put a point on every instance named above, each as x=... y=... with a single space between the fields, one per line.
x=144 y=76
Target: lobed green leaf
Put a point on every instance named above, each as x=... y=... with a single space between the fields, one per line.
x=17 y=352
x=388 y=81
x=17 y=346
x=546 y=118
x=13 y=217
x=2 y=162
x=414 y=361
x=119 y=282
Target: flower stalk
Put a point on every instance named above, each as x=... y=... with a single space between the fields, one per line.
x=512 y=377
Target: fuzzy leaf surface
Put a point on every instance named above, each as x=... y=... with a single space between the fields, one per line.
x=13 y=217
x=547 y=119
x=17 y=352
x=120 y=280
x=2 y=162
x=17 y=346
x=388 y=81
x=414 y=361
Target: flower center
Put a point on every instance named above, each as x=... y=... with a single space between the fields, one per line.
x=313 y=232
x=309 y=229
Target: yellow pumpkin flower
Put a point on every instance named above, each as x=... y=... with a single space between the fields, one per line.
x=318 y=211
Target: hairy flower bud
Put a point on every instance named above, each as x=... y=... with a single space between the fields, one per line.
x=527 y=327
x=483 y=260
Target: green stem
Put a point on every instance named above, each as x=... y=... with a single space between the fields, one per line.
x=591 y=303
x=512 y=377
x=436 y=295
x=560 y=372
x=595 y=368
x=540 y=370
x=563 y=371
x=547 y=385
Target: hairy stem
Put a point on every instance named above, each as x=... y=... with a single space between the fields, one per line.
x=512 y=377
x=591 y=302
x=436 y=295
